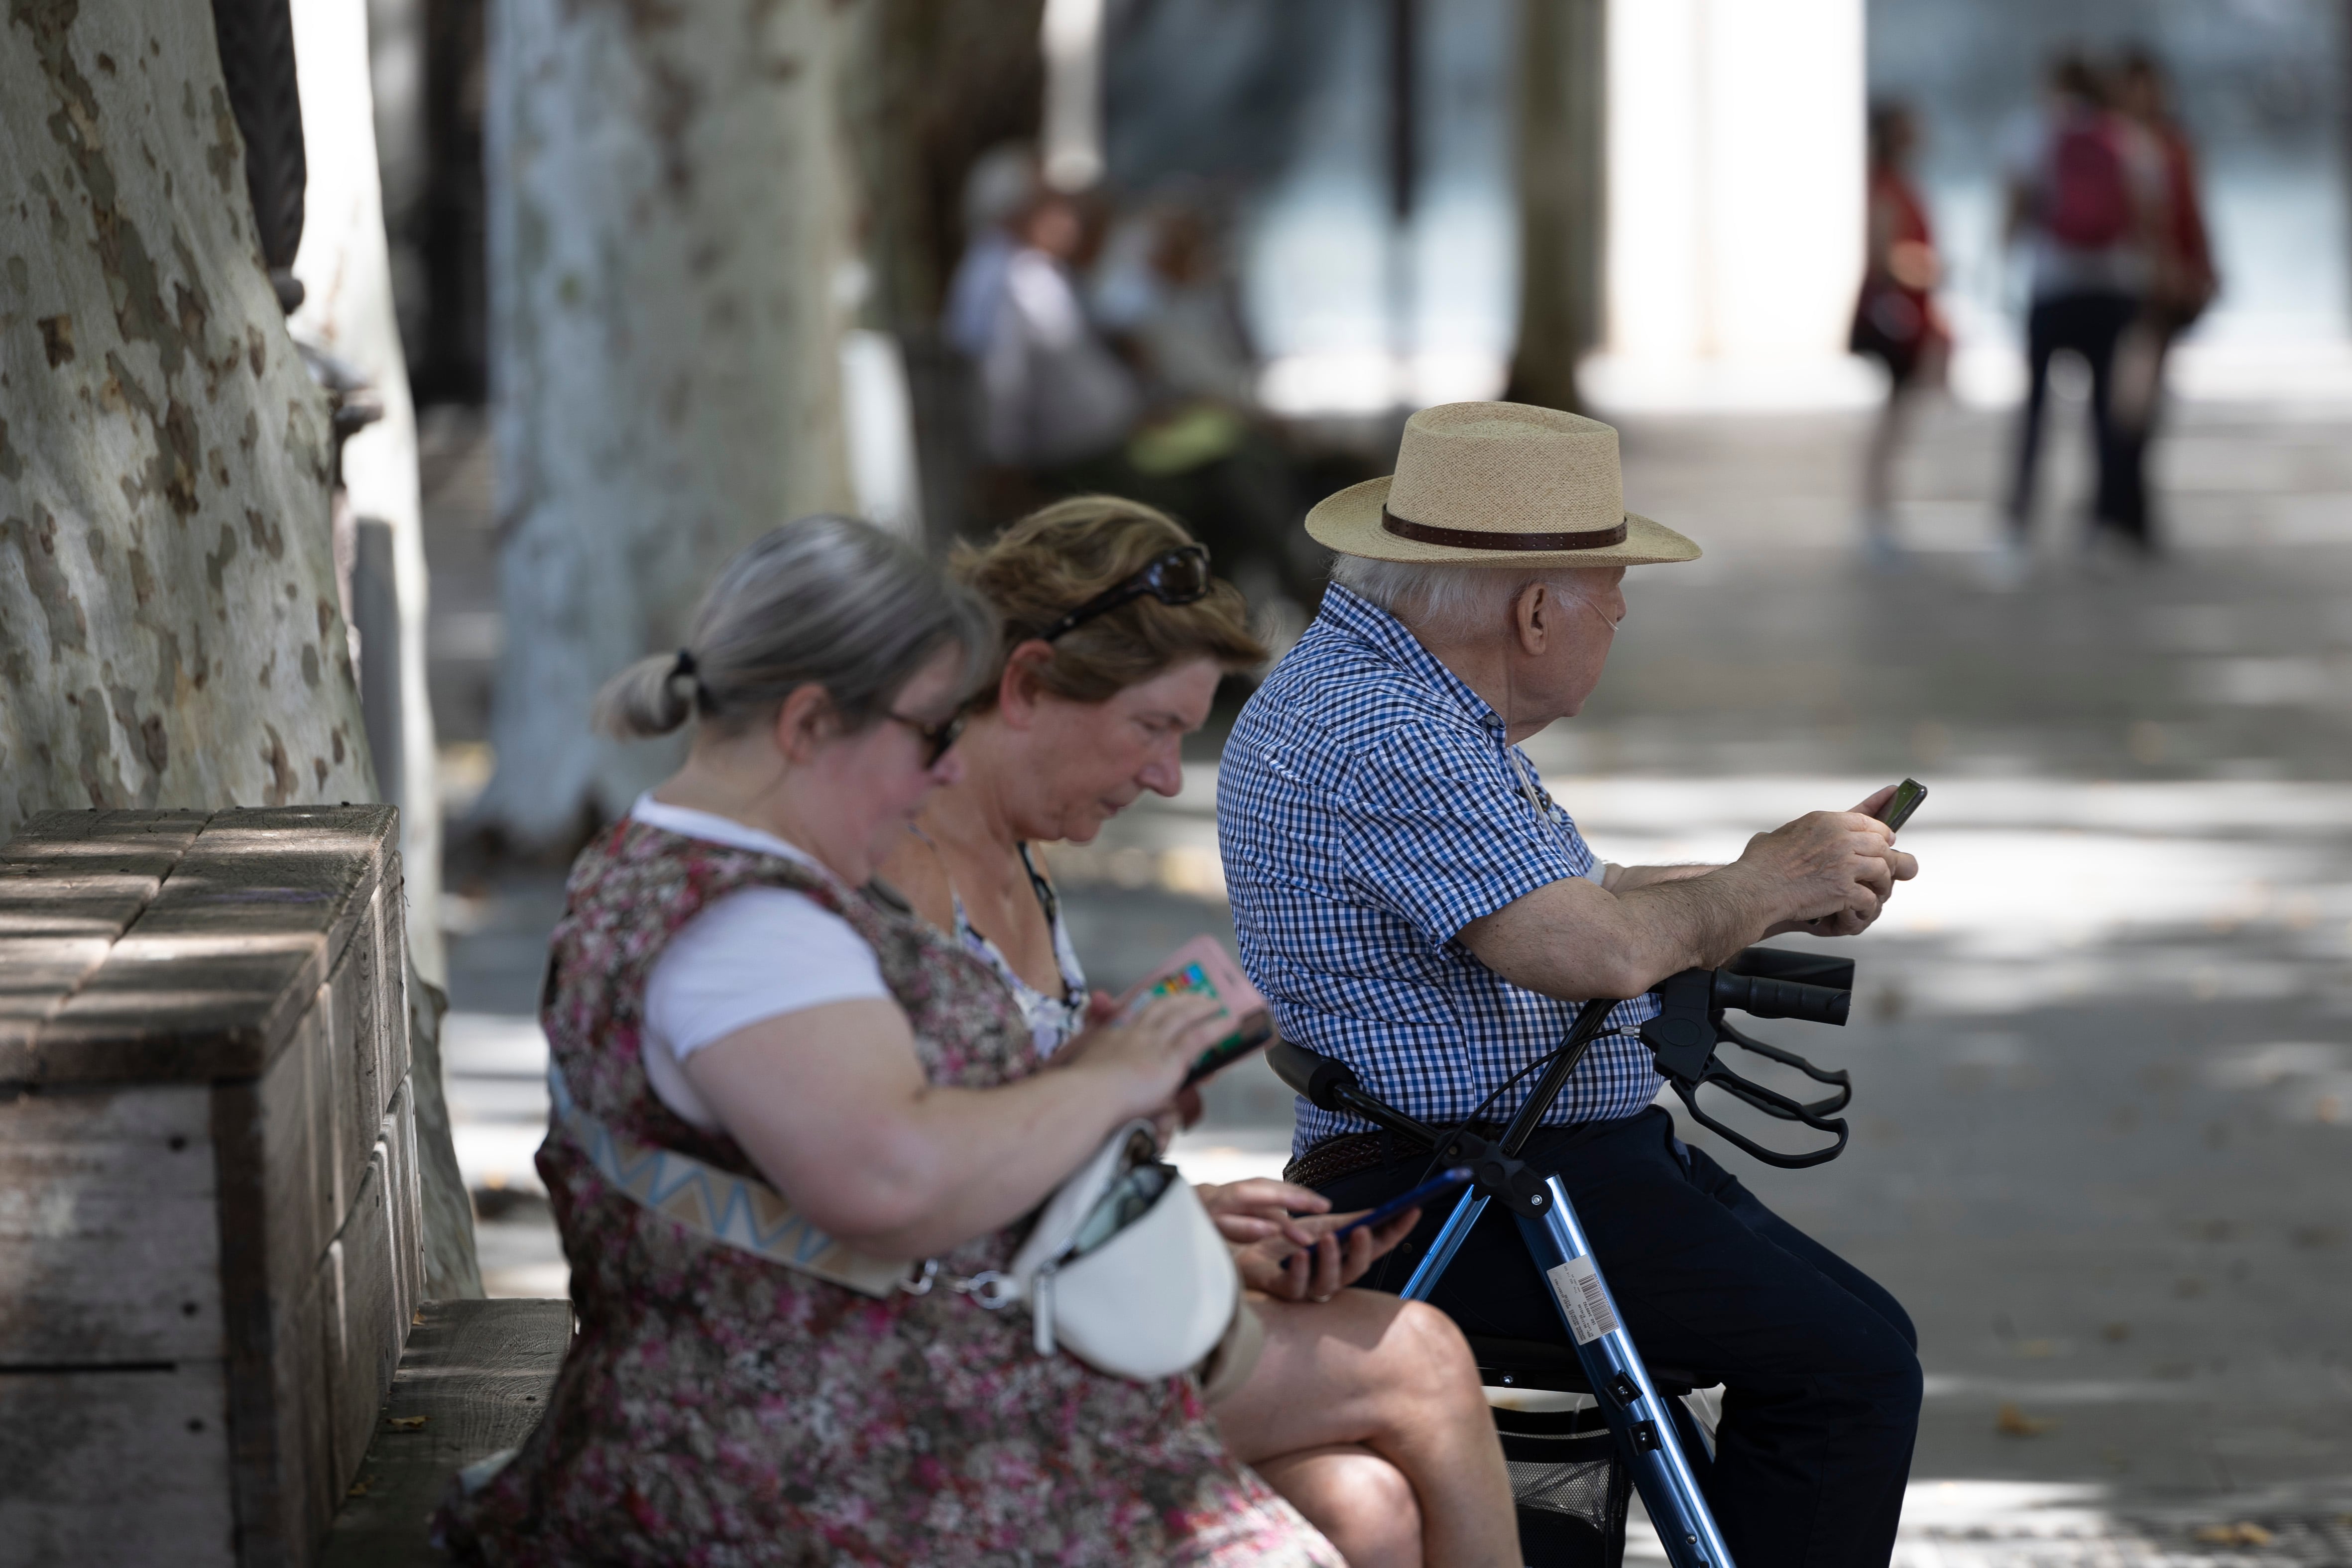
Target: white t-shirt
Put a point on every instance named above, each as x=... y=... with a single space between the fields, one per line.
x=750 y=955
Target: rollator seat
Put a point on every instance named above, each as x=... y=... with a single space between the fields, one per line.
x=1535 y=1364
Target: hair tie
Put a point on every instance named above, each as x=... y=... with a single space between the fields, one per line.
x=685 y=666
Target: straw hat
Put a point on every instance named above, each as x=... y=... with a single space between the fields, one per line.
x=1498 y=484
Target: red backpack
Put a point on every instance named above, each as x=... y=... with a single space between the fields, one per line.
x=2088 y=205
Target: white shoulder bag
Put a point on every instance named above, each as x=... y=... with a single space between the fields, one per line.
x=1124 y=1269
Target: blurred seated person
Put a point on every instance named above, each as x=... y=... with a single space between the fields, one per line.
x=1206 y=450
x=1003 y=185
x=1413 y=904
x=730 y=1007
x=1052 y=393
x=1363 y=1410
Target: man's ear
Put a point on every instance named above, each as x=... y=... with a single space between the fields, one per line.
x=1018 y=689
x=1534 y=614
x=806 y=721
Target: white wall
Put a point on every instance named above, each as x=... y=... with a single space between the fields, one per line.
x=1735 y=181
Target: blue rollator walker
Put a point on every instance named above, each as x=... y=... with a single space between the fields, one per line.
x=1654 y=1435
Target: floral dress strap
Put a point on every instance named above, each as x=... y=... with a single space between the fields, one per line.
x=1052 y=1020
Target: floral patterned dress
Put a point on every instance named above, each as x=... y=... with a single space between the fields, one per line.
x=720 y=1409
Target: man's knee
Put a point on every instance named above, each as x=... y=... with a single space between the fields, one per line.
x=1882 y=1373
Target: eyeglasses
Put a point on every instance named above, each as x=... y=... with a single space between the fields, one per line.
x=939 y=737
x=1179 y=575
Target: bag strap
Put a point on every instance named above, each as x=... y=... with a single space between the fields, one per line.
x=732 y=1210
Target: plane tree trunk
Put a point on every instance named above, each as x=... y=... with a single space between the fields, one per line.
x=169 y=630
x=1560 y=129
x=669 y=226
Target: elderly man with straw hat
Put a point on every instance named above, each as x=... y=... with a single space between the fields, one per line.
x=1415 y=905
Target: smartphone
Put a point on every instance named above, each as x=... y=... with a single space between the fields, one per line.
x=1256 y=1033
x=1436 y=1186
x=1907 y=796
x=1204 y=965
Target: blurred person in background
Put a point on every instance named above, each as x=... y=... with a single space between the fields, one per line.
x=1167 y=293
x=2085 y=193
x=2182 y=280
x=1054 y=397
x=1895 y=321
x=734 y=1011
x=1361 y=1409
x=1002 y=187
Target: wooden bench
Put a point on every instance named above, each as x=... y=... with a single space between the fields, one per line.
x=475 y=1379
x=210 y=1251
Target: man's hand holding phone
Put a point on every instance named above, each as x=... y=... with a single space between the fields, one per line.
x=1849 y=856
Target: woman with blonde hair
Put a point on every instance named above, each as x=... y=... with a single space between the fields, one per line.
x=792 y=1118
x=1363 y=1410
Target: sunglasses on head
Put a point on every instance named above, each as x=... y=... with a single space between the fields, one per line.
x=1179 y=575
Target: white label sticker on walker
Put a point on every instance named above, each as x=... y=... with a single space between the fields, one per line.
x=1577 y=1283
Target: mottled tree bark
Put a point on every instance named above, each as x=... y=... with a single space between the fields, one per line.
x=668 y=231
x=1561 y=126
x=169 y=632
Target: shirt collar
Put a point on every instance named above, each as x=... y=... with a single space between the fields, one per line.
x=1353 y=615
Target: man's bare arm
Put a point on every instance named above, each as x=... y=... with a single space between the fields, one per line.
x=1625 y=878
x=1575 y=940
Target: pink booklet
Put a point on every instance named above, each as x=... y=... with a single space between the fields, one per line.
x=1204 y=965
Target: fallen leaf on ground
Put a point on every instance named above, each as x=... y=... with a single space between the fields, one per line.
x=2238 y=1534
x=2015 y=1423
x=405 y=1423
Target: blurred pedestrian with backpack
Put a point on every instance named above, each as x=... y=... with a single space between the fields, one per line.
x=2087 y=195
x=1895 y=321
x=2182 y=281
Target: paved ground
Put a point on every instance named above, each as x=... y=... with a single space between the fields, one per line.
x=2104 y=1047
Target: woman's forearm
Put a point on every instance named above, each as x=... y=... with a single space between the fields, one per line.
x=963 y=1162
x=832 y=1104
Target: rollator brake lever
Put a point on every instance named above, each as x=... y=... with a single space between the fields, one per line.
x=1838 y=1078
x=1690 y=1025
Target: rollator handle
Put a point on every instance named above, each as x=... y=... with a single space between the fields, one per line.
x=1314 y=1077
x=1766 y=999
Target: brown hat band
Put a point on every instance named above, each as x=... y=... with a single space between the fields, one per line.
x=1466 y=539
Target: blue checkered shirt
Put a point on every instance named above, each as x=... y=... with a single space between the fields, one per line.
x=1368 y=810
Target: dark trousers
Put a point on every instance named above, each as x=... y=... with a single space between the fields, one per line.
x=2089 y=325
x=1818 y=1363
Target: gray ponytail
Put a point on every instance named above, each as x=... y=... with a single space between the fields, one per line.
x=826 y=600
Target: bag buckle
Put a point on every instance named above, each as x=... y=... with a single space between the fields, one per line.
x=989 y=1288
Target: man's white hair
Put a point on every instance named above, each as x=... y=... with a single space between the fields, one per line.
x=1451 y=602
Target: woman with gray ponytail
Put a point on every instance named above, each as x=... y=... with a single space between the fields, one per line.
x=793 y=1121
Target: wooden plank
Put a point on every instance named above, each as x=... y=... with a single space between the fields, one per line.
x=304 y=1490
x=407 y=1230
x=391 y=912
x=115 y=1467
x=108 y=1249
x=366 y=1327
x=304 y=1188
x=475 y=1379
x=209 y=981
x=270 y=1465
x=350 y=1007
x=71 y=882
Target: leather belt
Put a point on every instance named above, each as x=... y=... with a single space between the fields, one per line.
x=1348 y=1153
